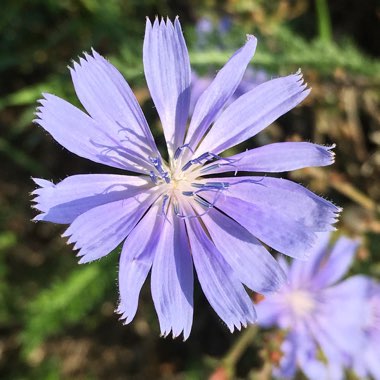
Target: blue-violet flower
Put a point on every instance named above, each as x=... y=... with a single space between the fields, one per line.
x=322 y=318
x=173 y=214
x=367 y=363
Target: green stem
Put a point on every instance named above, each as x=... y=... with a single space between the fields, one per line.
x=324 y=21
x=237 y=350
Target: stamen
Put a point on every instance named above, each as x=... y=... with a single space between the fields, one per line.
x=257 y=181
x=157 y=163
x=203 y=202
x=181 y=149
x=211 y=185
x=153 y=177
x=176 y=207
x=165 y=199
x=199 y=200
x=205 y=157
x=216 y=166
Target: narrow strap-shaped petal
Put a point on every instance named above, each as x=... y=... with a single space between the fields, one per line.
x=101 y=229
x=336 y=325
x=272 y=227
x=337 y=263
x=253 y=112
x=287 y=367
x=253 y=264
x=82 y=135
x=136 y=259
x=109 y=100
x=281 y=213
x=172 y=279
x=269 y=311
x=288 y=198
x=301 y=273
x=307 y=357
x=66 y=200
x=215 y=97
x=371 y=357
x=219 y=283
x=275 y=158
x=167 y=72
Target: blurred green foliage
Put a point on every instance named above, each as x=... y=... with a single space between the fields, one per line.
x=43 y=294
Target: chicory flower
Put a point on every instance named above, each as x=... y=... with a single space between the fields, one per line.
x=321 y=316
x=173 y=214
x=367 y=363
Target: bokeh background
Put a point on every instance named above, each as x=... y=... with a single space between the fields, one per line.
x=57 y=318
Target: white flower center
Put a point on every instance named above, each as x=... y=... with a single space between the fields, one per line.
x=301 y=302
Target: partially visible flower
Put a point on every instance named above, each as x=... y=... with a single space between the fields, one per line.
x=207 y=31
x=174 y=213
x=368 y=362
x=250 y=80
x=321 y=315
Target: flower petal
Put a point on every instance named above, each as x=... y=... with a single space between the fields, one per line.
x=101 y=229
x=279 y=212
x=167 y=72
x=269 y=311
x=337 y=324
x=172 y=279
x=212 y=101
x=85 y=137
x=302 y=273
x=109 y=100
x=136 y=260
x=288 y=363
x=338 y=262
x=253 y=112
x=274 y=158
x=66 y=200
x=253 y=264
x=270 y=226
x=219 y=283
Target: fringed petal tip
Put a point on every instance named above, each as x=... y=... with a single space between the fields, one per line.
x=251 y=37
x=85 y=59
x=124 y=317
x=177 y=334
x=162 y=21
x=331 y=154
x=244 y=323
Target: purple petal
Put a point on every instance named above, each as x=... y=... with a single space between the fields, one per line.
x=288 y=363
x=270 y=226
x=136 y=260
x=338 y=262
x=336 y=326
x=219 y=283
x=269 y=311
x=63 y=202
x=372 y=361
x=212 y=101
x=108 y=98
x=101 y=229
x=252 y=263
x=198 y=87
x=167 y=72
x=253 y=112
x=278 y=157
x=82 y=135
x=302 y=273
x=172 y=279
x=287 y=197
x=281 y=213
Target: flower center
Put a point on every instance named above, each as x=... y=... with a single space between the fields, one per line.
x=301 y=302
